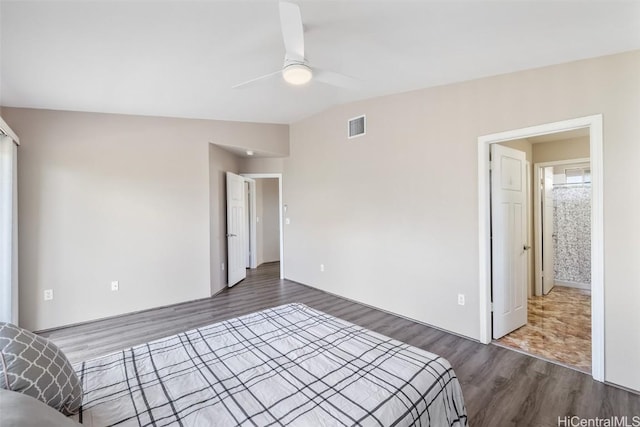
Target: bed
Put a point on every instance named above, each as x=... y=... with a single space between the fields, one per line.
x=288 y=365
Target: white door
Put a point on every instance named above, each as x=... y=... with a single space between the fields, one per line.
x=509 y=245
x=236 y=227
x=548 y=253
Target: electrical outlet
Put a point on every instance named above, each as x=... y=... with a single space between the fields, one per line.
x=322 y=267
x=115 y=285
x=287 y=221
x=222 y=266
x=460 y=299
x=48 y=294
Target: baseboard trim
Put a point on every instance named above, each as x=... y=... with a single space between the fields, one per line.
x=621 y=387
x=117 y=316
x=384 y=311
x=577 y=285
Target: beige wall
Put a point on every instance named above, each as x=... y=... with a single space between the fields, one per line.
x=565 y=149
x=274 y=148
x=262 y=165
x=107 y=197
x=220 y=162
x=393 y=215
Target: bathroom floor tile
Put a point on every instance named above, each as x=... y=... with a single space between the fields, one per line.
x=558 y=328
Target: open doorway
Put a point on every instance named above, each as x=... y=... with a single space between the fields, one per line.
x=487 y=238
x=265 y=221
x=254 y=223
x=558 y=307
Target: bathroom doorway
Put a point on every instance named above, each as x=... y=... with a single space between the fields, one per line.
x=558 y=326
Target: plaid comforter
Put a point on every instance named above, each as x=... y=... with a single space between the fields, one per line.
x=289 y=365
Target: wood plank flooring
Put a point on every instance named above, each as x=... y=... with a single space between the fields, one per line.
x=501 y=387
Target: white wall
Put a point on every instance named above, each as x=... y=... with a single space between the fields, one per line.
x=393 y=215
x=107 y=197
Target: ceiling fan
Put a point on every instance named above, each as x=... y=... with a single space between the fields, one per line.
x=296 y=70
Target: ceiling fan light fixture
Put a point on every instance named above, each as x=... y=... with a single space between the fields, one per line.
x=297 y=74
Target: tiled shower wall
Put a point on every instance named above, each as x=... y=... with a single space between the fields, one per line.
x=572 y=227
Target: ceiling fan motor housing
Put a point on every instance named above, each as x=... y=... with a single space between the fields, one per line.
x=297 y=73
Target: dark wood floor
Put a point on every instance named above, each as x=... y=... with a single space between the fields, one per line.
x=501 y=387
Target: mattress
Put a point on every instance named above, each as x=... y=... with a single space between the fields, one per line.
x=288 y=365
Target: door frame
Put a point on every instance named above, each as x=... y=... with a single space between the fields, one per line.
x=252 y=226
x=594 y=123
x=530 y=257
x=537 y=218
x=251 y=223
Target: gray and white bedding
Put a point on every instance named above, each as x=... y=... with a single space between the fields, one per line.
x=289 y=365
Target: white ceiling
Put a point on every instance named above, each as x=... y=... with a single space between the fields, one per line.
x=180 y=59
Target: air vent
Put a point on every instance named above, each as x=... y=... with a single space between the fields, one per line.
x=357 y=127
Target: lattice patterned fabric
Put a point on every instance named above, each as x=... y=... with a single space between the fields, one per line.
x=36 y=367
x=289 y=365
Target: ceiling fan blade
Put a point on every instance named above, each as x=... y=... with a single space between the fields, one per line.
x=292 y=31
x=257 y=79
x=336 y=79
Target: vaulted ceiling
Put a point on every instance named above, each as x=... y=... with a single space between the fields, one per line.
x=181 y=58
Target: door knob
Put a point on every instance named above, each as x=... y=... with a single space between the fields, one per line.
x=232 y=235
x=526 y=248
